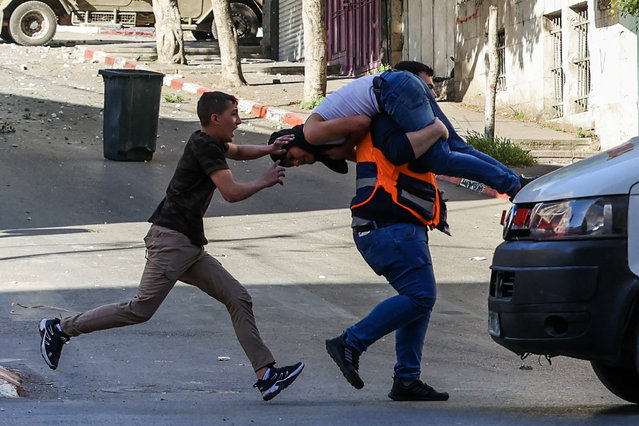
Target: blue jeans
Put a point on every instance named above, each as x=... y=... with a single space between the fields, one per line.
x=399 y=253
x=455 y=157
x=405 y=97
x=466 y=162
x=410 y=103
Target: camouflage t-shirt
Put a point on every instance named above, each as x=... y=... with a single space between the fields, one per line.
x=191 y=188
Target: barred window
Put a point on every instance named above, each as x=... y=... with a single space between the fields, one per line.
x=501 y=60
x=582 y=60
x=557 y=69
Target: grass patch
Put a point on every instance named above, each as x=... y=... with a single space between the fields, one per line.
x=313 y=103
x=585 y=133
x=7 y=127
x=517 y=115
x=173 y=99
x=501 y=149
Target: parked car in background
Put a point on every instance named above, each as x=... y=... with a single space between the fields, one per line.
x=34 y=22
x=566 y=279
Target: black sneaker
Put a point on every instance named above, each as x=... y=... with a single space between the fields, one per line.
x=347 y=359
x=278 y=379
x=525 y=180
x=52 y=341
x=416 y=391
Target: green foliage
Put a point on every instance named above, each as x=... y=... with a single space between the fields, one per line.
x=7 y=127
x=589 y=133
x=173 y=99
x=382 y=68
x=501 y=149
x=313 y=103
x=625 y=7
x=517 y=115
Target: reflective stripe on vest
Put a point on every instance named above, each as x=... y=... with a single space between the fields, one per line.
x=415 y=192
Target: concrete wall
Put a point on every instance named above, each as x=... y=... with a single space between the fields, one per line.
x=529 y=88
x=392 y=31
x=396 y=31
x=614 y=75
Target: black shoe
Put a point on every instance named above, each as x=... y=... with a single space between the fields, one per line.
x=416 y=391
x=51 y=342
x=347 y=359
x=525 y=180
x=278 y=379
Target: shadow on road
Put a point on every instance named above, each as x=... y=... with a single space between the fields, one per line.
x=53 y=172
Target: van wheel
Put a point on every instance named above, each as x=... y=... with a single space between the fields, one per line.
x=620 y=380
x=245 y=21
x=32 y=24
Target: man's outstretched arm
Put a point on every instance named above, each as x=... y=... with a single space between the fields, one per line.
x=233 y=191
x=251 y=152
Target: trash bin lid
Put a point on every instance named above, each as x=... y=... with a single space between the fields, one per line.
x=127 y=73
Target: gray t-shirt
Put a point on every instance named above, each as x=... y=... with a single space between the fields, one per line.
x=356 y=98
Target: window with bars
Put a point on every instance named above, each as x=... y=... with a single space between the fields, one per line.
x=582 y=60
x=557 y=69
x=501 y=60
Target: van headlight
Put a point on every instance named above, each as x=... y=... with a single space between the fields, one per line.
x=598 y=217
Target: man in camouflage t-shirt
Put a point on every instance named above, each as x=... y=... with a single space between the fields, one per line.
x=175 y=245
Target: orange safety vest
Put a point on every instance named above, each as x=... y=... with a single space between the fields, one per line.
x=417 y=193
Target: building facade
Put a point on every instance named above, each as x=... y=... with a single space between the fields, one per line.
x=570 y=64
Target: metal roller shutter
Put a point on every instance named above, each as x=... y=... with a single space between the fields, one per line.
x=291 y=37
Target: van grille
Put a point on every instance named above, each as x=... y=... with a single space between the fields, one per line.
x=502 y=284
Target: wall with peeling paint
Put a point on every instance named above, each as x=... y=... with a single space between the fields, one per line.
x=529 y=81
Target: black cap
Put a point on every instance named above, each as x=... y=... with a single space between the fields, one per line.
x=318 y=151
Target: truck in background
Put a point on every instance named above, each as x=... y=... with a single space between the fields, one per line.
x=34 y=22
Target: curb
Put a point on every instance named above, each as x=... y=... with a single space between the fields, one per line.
x=10 y=384
x=277 y=115
x=128 y=31
x=90 y=29
x=473 y=186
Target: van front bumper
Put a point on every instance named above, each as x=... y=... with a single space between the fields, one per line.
x=569 y=298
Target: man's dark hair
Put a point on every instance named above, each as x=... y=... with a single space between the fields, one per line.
x=414 y=67
x=213 y=103
x=338 y=166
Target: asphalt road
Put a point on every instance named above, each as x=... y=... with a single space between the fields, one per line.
x=71 y=228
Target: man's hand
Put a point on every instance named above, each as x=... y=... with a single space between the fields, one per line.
x=277 y=147
x=274 y=175
x=443 y=129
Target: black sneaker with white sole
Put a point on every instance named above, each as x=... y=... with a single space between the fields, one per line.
x=51 y=341
x=278 y=379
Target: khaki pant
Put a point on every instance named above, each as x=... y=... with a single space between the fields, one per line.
x=170 y=257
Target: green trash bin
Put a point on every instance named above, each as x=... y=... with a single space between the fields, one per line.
x=131 y=112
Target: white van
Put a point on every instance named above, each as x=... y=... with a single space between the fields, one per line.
x=566 y=279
